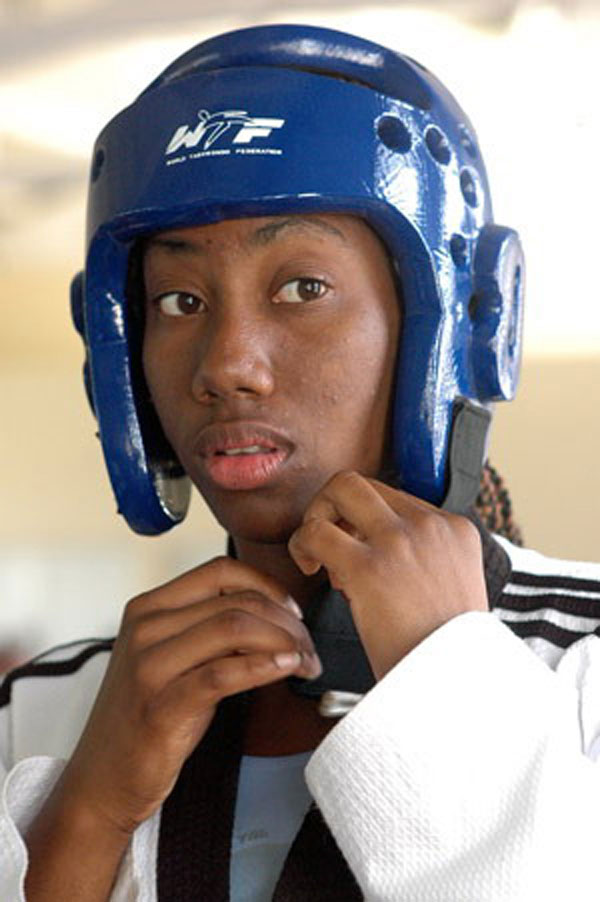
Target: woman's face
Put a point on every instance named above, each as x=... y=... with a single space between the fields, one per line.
x=269 y=352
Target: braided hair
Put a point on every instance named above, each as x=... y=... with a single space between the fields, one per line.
x=494 y=506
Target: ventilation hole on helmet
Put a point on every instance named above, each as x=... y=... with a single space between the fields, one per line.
x=517 y=285
x=458 y=250
x=514 y=320
x=467 y=141
x=394 y=134
x=97 y=164
x=511 y=341
x=473 y=306
x=468 y=187
x=437 y=145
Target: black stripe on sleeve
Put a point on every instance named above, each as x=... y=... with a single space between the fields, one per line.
x=566 y=604
x=556 y=635
x=40 y=668
x=567 y=583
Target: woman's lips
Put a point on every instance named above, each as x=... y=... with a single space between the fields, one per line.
x=242 y=456
x=246 y=471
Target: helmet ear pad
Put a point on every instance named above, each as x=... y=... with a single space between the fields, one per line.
x=135 y=310
x=150 y=485
x=78 y=317
x=496 y=311
x=158 y=447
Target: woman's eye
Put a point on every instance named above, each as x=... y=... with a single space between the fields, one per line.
x=298 y=291
x=178 y=303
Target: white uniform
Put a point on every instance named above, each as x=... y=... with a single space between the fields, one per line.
x=466 y=775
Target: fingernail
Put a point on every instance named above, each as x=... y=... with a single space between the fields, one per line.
x=294 y=607
x=310 y=566
x=287 y=660
x=313 y=664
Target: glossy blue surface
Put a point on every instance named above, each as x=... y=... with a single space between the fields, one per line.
x=250 y=123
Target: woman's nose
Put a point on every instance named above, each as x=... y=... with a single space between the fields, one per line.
x=233 y=360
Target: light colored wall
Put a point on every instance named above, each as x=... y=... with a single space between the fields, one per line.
x=547 y=444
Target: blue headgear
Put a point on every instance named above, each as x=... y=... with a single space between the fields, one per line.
x=290 y=119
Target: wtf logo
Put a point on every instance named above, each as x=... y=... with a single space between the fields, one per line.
x=237 y=124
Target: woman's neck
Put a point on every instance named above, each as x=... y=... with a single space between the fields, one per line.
x=275 y=560
x=280 y=722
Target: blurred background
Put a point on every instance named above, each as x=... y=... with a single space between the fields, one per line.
x=526 y=72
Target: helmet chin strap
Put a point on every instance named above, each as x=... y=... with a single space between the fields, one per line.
x=347 y=674
x=346 y=670
x=467 y=452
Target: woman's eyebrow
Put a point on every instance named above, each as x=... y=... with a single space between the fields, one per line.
x=272 y=230
x=175 y=245
x=259 y=238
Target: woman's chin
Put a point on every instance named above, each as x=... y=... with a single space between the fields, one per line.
x=264 y=524
x=271 y=534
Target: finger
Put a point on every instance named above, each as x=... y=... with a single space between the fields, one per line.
x=227 y=633
x=221 y=576
x=401 y=501
x=409 y=507
x=160 y=624
x=350 y=497
x=223 y=677
x=319 y=542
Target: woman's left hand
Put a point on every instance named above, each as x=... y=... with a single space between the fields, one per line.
x=405 y=566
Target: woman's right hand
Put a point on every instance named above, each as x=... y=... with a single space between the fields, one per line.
x=218 y=630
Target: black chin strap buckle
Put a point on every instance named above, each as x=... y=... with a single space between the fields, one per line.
x=467 y=453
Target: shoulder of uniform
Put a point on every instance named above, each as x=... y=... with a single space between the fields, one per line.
x=539 y=571
x=550 y=598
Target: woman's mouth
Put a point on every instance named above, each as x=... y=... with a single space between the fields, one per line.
x=242 y=456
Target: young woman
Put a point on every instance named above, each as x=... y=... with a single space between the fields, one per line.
x=295 y=298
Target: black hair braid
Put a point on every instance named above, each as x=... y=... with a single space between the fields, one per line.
x=494 y=506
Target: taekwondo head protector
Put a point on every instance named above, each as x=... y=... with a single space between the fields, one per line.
x=293 y=119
